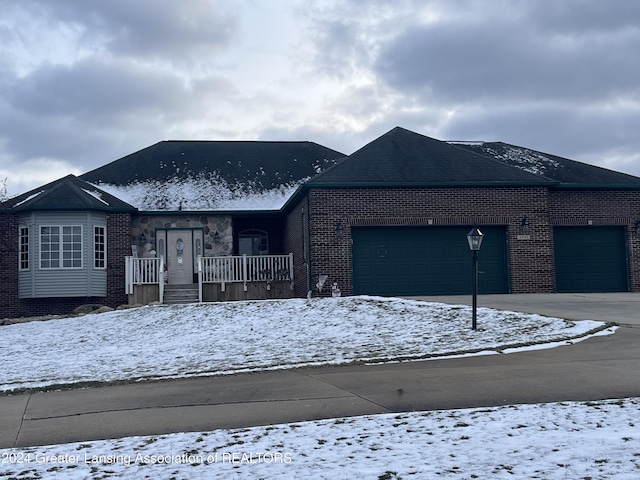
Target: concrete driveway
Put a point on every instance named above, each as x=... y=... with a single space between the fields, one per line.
x=597 y=368
x=620 y=308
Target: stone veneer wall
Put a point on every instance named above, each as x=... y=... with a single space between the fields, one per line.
x=210 y=224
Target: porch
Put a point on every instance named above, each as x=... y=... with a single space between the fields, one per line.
x=242 y=277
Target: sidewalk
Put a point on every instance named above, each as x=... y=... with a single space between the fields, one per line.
x=598 y=368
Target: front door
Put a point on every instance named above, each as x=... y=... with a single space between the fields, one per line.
x=179 y=257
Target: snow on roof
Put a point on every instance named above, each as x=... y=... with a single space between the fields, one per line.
x=30 y=197
x=203 y=193
x=525 y=159
x=95 y=194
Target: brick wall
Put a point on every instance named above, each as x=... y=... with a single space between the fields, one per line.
x=32 y=307
x=296 y=242
x=118 y=247
x=9 y=304
x=531 y=258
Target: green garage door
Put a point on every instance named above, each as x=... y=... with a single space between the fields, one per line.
x=590 y=259
x=426 y=261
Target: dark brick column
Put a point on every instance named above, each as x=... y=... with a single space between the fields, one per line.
x=118 y=247
x=9 y=303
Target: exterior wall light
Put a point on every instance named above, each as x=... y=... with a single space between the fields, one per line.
x=524 y=224
x=339 y=229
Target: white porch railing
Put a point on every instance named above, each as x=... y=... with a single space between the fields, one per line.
x=144 y=271
x=244 y=269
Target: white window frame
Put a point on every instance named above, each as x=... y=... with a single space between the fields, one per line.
x=97 y=261
x=24 y=260
x=60 y=260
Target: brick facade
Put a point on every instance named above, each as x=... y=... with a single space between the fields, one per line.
x=310 y=223
x=118 y=247
x=9 y=265
x=531 y=258
x=296 y=241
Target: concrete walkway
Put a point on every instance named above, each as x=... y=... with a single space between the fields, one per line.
x=598 y=368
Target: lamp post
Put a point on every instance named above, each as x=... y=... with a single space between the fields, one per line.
x=474 y=237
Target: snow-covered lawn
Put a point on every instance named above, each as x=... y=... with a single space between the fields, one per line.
x=595 y=440
x=219 y=338
x=567 y=440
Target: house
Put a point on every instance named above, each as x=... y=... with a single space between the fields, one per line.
x=389 y=219
x=70 y=243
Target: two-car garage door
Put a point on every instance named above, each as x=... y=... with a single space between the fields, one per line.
x=426 y=261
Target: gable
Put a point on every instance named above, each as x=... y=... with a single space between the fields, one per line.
x=404 y=158
x=67 y=193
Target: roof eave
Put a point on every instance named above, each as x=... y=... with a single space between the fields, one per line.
x=94 y=208
x=237 y=213
x=596 y=186
x=499 y=183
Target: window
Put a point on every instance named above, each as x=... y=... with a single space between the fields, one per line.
x=24 y=248
x=99 y=247
x=61 y=247
x=253 y=242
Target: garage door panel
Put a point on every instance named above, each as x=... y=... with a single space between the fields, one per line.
x=590 y=259
x=426 y=261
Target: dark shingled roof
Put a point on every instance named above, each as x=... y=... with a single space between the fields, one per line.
x=67 y=193
x=404 y=158
x=263 y=165
x=569 y=173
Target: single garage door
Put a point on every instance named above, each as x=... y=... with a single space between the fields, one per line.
x=590 y=259
x=394 y=261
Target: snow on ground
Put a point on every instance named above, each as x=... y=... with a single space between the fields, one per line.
x=220 y=338
x=550 y=441
x=594 y=440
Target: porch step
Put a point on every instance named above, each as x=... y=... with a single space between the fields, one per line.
x=174 y=294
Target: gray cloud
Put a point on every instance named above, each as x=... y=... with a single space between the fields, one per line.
x=86 y=82
x=96 y=89
x=157 y=28
x=504 y=60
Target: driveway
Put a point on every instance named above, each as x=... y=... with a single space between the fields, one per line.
x=620 y=308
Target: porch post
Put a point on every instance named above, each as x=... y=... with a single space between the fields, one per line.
x=128 y=280
x=244 y=270
x=199 y=278
x=291 y=269
x=161 y=280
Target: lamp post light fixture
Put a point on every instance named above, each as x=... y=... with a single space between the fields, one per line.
x=474 y=237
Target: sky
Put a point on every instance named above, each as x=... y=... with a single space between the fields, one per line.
x=85 y=82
